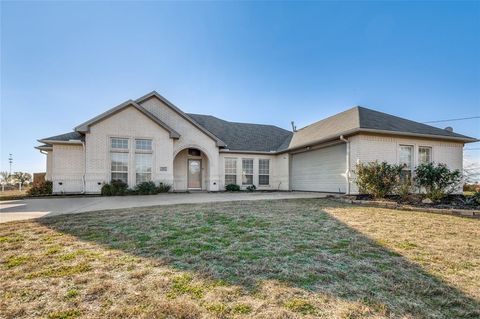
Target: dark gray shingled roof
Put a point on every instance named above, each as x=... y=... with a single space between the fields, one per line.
x=66 y=137
x=358 y=119
x=245 y=136
x=371 y=119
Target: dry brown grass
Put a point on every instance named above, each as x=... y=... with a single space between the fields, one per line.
x=265 y=259
x=13 y=194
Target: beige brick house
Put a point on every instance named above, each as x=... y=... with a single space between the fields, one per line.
x=151 y=139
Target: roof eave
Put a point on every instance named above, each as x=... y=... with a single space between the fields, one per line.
x=60 y=142
x=385 y=132
x=249 y=152
x=465 y=139
x=44 y=148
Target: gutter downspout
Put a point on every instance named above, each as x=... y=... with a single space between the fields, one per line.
x=347 y=173
x=84 y=186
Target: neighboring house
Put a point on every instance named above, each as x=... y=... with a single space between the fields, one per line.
x=152 y=139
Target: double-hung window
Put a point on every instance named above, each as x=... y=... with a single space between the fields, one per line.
x=230 y=171
x=263 y=172
x=247 y=171
x=119 y=159
x=424 y=154
x=143 y=160
x=406 y=160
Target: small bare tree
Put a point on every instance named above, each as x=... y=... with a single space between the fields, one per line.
x=5 y=178
x=22 y=177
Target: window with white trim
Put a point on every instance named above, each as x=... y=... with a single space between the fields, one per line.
x=424 y=154
x=247 y=171
x=143 y=167
x=143 y=160
x=264 y=172
x=406 y=160
x=143 y=144
x=117 y=143
x=119 y=166
x=230 y=171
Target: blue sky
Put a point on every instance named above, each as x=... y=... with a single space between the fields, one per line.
x=65 y=62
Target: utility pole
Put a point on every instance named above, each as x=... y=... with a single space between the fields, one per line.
x=10 y=161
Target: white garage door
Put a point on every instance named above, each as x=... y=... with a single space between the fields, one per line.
x=321 y=170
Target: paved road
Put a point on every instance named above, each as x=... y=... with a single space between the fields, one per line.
x=38 y=207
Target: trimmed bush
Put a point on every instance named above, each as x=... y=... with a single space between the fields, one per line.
x=146 y=188
x=378 y=179
x=114 y=188
x=251 y=188
x=232 y=188
x=437 y=180
x=163 y=188
x=42 y=188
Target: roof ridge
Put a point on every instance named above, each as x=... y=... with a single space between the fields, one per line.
x=357 y=107
x=259 y=124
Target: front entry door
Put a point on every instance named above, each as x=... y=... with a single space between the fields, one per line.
x=195 y=173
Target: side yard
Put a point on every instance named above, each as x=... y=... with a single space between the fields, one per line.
x=299 y=258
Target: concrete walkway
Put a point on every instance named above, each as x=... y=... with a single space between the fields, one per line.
x=39 y=207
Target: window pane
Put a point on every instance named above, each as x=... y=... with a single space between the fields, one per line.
x=247 y=179
x=120 y=176
x=406 y=157
x=264 y=167
x=194 y=152
x=119 y=143
x=231 y=166
x=143 y=145
x=143 y=167
x=247 y=171
x=119 y=166
x=264 y=180
x=230 y=179
x=424 y=155
x=247 y=166
x=119 y=162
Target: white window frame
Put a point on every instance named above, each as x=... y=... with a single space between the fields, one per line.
x=140 y=152
x=116 y=144
x=244 y=173
x=430 y=155
x=144 y=143
x=263 y=171
x=114 y=169
x=230 y=171
x=143 y=170
x=407 y=171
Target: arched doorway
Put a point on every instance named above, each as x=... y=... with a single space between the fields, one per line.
x=190 y=170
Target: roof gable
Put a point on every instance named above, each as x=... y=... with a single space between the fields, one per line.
x=361 y=119
x=85 y=127
x=184 y=115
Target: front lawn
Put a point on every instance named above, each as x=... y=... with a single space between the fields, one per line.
x=264 y=259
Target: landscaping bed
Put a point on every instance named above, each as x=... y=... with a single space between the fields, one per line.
x=452 y=204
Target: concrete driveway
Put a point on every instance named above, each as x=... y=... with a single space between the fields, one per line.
x=39 y=207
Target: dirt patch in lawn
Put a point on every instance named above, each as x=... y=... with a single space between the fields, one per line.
x=264 y=259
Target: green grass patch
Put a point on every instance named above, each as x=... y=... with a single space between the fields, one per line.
x=16 y=261
x=62 y=271
x=300 y=306
x=71 y=294
x=65 y=314
x=182 y=284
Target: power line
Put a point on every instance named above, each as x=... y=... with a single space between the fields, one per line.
x=452 y=120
